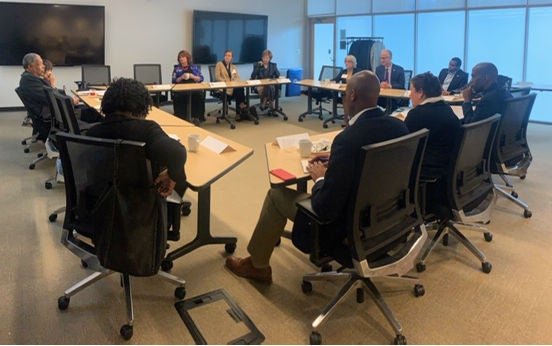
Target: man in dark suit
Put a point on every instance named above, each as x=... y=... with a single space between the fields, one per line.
x=391 y=76
x=333 y=182
x=484 y=82
x=32 y=86
x=453 y=79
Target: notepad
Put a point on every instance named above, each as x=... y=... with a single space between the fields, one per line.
x=217 y=84
x=284 y=80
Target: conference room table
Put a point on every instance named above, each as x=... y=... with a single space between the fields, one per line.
x=203 y=169
x=247 y=84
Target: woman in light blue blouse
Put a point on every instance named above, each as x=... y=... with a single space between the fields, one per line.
x=186 y=72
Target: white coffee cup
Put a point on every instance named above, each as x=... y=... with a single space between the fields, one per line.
x=186 y=76
x=193 y=143
x=305 y=147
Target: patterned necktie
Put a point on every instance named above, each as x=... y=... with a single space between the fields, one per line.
x=388 y=74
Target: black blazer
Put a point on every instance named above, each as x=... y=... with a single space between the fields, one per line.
x=491 y=102
x=339 y=77
x=331 y=196
x=443 y=126
x=459 y=81
x=32 y=88
x=397 y=75
x=259 y=72
x=161 y=150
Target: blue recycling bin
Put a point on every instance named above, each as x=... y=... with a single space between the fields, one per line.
x=294 y=75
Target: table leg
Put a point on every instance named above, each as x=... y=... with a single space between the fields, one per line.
x=309 y=105
x=277 y=108
x=224 y=114
x=203 y=236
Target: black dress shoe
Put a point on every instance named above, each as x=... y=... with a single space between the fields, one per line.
x=173 y=236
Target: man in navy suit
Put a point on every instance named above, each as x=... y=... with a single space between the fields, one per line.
x=453 y=79
x=331 y=193
x=391 y=76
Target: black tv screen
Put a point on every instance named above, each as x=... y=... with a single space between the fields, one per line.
x=64 y=34
x=215 y=32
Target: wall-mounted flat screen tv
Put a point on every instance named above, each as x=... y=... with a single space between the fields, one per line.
x=64 y=34
x=215 y=32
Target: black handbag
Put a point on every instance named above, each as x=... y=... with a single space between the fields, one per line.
x=130 y=233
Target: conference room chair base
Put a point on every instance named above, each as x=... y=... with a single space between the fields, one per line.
x=53 y=216
x=333 y=120
x=320 y=112
x=448 y=227
x=126 y=330
x=513 y=197
x=28 y=143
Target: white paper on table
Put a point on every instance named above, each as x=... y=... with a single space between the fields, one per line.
x=215 y=145
x=284 y=80
x=253 y=82
x=291 y=141
x=100 y=92
x=451 y=98
x=218 y=84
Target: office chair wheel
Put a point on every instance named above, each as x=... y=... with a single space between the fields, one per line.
x=522 y=177
x=180 y=292
x=48 y=185
x=325 y=126
x=166 y=265
x=39 y=154
x=52 y=217
x=419 y=290
x=527 y=213
x=23 y=142
x=285 y=118
x=400 y=340
x=84 y=264
x=256 y=122
x=126 y=332
x=232 y=126
x=26 y=150
x=420 y=267
x=186 y=208
x=315 y=338
x=445 y=240
x=300 y=120
x=230 y=248
x=488 y=236
x=306 y=287
x=486 y=267
x=32 y=166
x=360 y=295
x=514 y=194
x=217 y=121
x=63 y=302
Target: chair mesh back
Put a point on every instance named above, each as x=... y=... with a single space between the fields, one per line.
x=89 y=166
x=59 y=123
x=328 y=72
x=511 y=140
x=148 y=73
x=96 y=74
x=407 y=77
x=25 y=103
x=212 y=73
x=67 y=111
x=470 y=179
x=504 y=81
x=386 y=202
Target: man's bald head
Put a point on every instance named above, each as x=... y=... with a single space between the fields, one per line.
x=362 y=92
x=487 y=69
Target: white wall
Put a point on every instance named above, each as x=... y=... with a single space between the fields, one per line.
x=153 y=31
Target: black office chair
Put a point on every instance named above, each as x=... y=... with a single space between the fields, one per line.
x=511 y=154
x=58 y=125
x=95 y=75
x=384 y=215
x=27 y=121
x=41 y=131
x=469 y=189
x=102 y=179
x=220 y=94
x=277 y=110
x=407 y=78
x=517 y=92
x=150 y=74
x=322 y=96
x=504 y=81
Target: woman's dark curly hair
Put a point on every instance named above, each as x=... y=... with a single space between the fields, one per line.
x=127 y=95
x=428 y=83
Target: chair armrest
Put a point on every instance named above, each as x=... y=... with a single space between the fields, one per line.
x=316 y=256
x=306 y=207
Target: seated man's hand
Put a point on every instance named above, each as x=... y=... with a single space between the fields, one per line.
x=165 y=185
x=317 y=169
x=385 y=85
x=75 y=100
x=445 y=93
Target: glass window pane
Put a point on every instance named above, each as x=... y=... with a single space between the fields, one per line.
x=495 y=3
x=539 y=47
x=497 y=36
x=397 y=31
x=451 y=45
x=536 y=2
x=439 y=4
x=358 y=26
x=393 y=6
x=353 y=6
x=320 y=8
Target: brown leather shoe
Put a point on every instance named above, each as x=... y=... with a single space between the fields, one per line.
x=244 y=267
